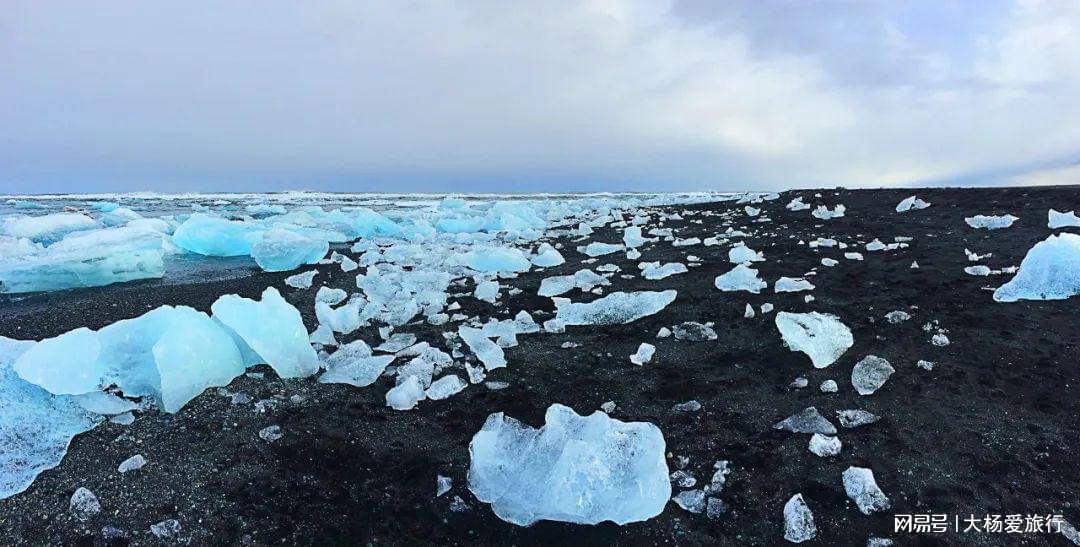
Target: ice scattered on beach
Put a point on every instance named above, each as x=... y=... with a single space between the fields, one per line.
x=822 y=337
x=580 y=469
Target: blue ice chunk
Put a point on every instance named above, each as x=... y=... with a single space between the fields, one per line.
x=193 y=354
x=283 y=250
x=215 y=236
x=25 y=205
x=497 y=259
x=613 y=309
x=273 y=329
x=580 y=469
x=1050 y=271
x=64 y=365
x=46 y=229
x=35 y=426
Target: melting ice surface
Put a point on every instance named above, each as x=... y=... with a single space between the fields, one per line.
x=581 y=469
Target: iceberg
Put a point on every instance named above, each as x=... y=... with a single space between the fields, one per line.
x=1050 y=271
x=282 y=250
x=35 y=425
x=272 y=330
x=579 y=469
x=740 y=278
x=991 y=222
x=215 y=236
x=613 y=309
x=820 y=336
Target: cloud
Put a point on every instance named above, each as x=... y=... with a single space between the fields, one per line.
x=530 y=95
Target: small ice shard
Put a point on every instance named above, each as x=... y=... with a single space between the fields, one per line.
x=270 y=433
x=741 y=254
x=691 y=500
x=799 y=383
x=914 y=265
x=829 y=262
x=580 y=469
x=860 y=486
x=442 y=485
x=330 y=296
x=497 y=259
x=714 y=508
x=991 y=222
x=547 y=256
x=613 y=309
x=925 y=365
x=683 y=479
x=397 y=342
x=283 y=250
x=131 y=464
x=632 y=237
x=876 y=245
x=824 y=446
x=911 y=203
x=301 y=280
x=853 y=256
x=897 y=316
x=766 y=308
x=688 y=406
x=719 y=478
x=752 y=211
x=694 y=332
x=84 y=504
x=1062 y=220
x=662 y=272
x=808 y=420
x=870 y=374
x=797 y=204
x=487 y=291
x=792 y=284
x=405 y=395
x=458 y=505
x=126 y=418
x=749 y=313
x=489 y=353
x=829 y=386
x=608 y=407
x=166 y=528
x=344 y=319
x=798 y=520
x=1050 y=271
x=855 y=418
x=824 y=213
x=740 y=278
x=597 y=248
x=939 y=340
x=820 y=336
x=353 y=364
x=272 y=329
x=644 y=354
x=100 y=402
x=979 y=270
x=444 y=387
x=664 y=332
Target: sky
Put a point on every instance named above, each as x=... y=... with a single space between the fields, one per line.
x=536 y=95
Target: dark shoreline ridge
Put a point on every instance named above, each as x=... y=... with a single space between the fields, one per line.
x=991 y=429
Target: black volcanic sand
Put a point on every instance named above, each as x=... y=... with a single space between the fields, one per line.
x=992 y=429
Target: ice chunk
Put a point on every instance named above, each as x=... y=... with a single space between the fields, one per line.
x=1062 y=220
x=597 y=248
x=487 y=291
x=344 y=319
x=824 y=213
x=870 y=374
x=65 y=365
x=584 y=470
x=84 y=259
x=283 y=250
x=979 y=270
x=792 y=284
x=829 y=386
x=215 y=236
x=860 y=486
x=911 y=203
x=808 y=420
x=270 y=433
x=820 y=336
x=856 y=418
x=694 y=332
x=497 y=259
x=688 y=406
x=1049 y=271
x=444 y=387
x=192 y=354
x=272 y=329
x=644 y=354
x=797 y=204
x=940 y=340
x=741 y=253
x=824 y=446
x=740 y=278
x=132 y=464
x=489 y=353
x=632 y=237
x=547 y=256
x=353 y=364
x=301 y=280
x=655 y=272
x=991 y=222
x=692 y=501
x=35 y=426
x=405 y=395
x=330 y=296
x=829 y=262
x=100 y=402
x=166 y=528
x=84 y=504
x=798 y=520
x=46 y=229
x=613 y=309
x=897 y=316
x=749 y=313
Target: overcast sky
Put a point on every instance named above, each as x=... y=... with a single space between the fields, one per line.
x=546 y=95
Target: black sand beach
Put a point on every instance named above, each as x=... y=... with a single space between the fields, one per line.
x=992 y=429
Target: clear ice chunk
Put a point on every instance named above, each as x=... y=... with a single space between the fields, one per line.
x=820 y=336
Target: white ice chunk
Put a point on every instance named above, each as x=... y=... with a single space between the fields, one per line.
x=497 y=259
x=1049 y=271
x=547 y=256
x=444 y=387
x=860 y=486
x=353 y=364
x=613 y=309
x=632 y=237
x=991 y=222
x=870 y=374
x=911 y=203
x=1062 y=220
x=597 y=248
x=798 y=520
x=489 y=353
x=824 y=445
x=273 y=329
x=740 y=254
x=644 y=354
x=792 y=284
x=580 y=469
x=330 y=296
x=405 y=395
x=301 y=280
x=820 y=336
x=740 y=278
